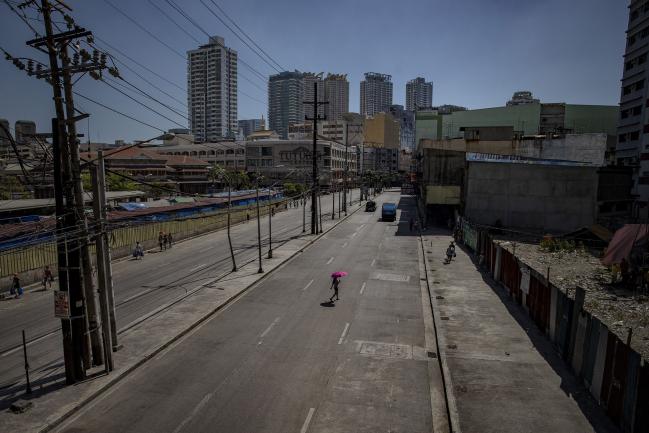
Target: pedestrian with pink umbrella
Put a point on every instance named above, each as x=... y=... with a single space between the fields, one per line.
x=336 y=276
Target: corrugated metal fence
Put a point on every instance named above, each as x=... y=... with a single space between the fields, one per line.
x=616 y=376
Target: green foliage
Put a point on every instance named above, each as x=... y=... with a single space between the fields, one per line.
x=293 y=189
x=10 y=187
x=115 y=182
x=555 y=245
x=85 y=179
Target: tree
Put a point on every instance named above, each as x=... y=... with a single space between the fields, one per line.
x=115 y=182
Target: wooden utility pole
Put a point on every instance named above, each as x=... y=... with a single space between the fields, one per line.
x=315 y=191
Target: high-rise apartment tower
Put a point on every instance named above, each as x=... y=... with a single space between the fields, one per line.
x=419 y=94
x=376 y=93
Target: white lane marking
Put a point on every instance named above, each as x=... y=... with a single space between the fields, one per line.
x=263 y=334
x=361 y=227
x=331 y=259
x=197 y=409
x=204 y=250
x=307 y=421
x=380 y=244
x=354 y=234
x=196 y=267
x=345 y=244
x=363 y=288
x=34 y=341
x=342 y=336
x=308 y=285
x=373 y=263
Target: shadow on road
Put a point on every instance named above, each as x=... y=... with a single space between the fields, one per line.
x=328 y=304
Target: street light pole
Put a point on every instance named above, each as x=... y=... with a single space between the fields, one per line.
x=270 y=226
x=261 y=270
x=234 y=263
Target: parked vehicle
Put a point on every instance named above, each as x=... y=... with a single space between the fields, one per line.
x=370 y=206
x=389 y=212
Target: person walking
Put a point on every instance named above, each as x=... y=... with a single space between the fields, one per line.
x=16 y=289
x=161 y=239
x=165 y=240
x=334 y=285
x=47 y=278
x=169 y=239
x=138 y=252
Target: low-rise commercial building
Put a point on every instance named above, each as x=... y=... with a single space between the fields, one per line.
x=381 y=131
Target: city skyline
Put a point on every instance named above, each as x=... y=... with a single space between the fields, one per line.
x=586 y=68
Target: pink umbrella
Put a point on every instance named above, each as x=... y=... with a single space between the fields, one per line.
x=339 y=274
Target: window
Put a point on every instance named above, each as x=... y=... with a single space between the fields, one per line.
x=621 y=138
x=266 y=151
x=637 y=110
x=634 y=135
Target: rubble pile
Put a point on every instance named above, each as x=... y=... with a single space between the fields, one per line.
x=617 y=307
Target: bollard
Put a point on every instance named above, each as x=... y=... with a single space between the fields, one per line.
x=28 y=389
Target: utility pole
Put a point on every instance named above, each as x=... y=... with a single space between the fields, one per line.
x=270 y=225
x=234 y=264
x=81 y=329
x=345 y=186
x=315 y=192
x=98 y=202
x=303 y=213
x=261 y=269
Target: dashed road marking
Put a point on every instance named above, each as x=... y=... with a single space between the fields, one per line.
x=196 y=267
x=263 y=334
x=307 y=421
x=345 y=245
x=342 y=336
x=373 y=262
x=354 y=234
x=331 y=259
x=308 y=285
x=363 y=288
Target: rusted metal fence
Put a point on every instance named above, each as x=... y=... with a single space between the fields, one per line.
x=616 y=375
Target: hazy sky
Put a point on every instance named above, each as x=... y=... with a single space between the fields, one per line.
x=477 y=52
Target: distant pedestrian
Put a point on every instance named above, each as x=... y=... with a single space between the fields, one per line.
x=165 y=240
x=169 y=239
x=450 y=252
x=247 y=216
x=16 y=289
x=138 y=251
x=47 y=278
x=334 y=286
x=161 y=239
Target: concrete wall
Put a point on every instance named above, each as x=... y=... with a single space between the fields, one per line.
x=550 y=198
x=521 y=117
x=573 y=147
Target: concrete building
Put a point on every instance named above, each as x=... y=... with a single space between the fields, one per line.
x=248 y=126
x=309 y=79
x=291 y=160
x=230 y=155
x=531 y=194
x=337 y=94
x=376 y=93
x=212 y=91
x=381 y=131
x=381 y=160
x=525 y=119
x=406 y=120
x=285 y=101
x=632 y=132
x=24 y=131
x=521 y=98
x=419 y=94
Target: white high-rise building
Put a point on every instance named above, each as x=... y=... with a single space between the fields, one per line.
x=212 y=91
x=376 y=93
x=337 y=94
x=285 y=101
x=308 y=80
x=419 y=94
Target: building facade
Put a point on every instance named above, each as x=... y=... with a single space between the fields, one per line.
x=419 y=94
x=212 y=91
x=632 y=132
x=337 y=95
x=310 y=80
x=376 y=93
x=24 y=131
x=285 y=101
x=406 y=120
x=381 y=131
x=248 y=126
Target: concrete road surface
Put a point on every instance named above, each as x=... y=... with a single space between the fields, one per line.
x=281 y=359
x=140 y=287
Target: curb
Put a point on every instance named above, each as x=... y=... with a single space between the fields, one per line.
x=155 y=351
x=453 y=421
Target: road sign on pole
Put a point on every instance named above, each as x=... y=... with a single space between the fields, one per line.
x=61 y=304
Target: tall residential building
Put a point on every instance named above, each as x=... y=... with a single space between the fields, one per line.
x=24 y=131
x=285 y=101
x=406 y=120
x=522 y=97
x=248 y=126
x=376 y=93
x=337 y=94
x=632 y=132
x=419 y=94
x=308 y=80
x=212 y=91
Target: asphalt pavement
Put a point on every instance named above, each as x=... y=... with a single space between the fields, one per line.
x=283 y=359
x=140 y=288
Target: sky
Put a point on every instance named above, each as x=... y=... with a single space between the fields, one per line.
x=476 y=52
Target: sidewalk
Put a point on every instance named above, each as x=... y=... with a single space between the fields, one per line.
x=53 y=401
x=501 y=373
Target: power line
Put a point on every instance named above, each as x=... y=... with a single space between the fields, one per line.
x=144 y=29
x=239 y=37
x=246 y=35
x=174 y=22
x=178 y=9
x=133 y=87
